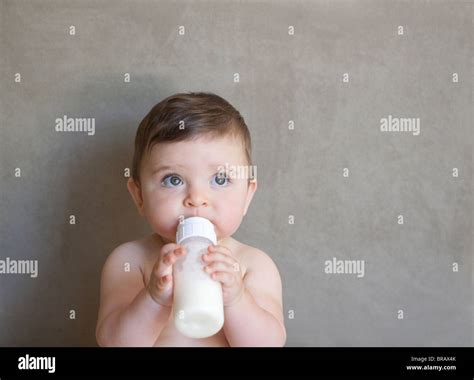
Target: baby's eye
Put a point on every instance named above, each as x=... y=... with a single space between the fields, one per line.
x=221 y=179
x=171 y=180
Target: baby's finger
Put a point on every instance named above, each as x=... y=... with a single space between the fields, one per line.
x=220 y=248
x=167 y=248
x=218 y=266
x=226 y=278
x=164 y=281
x=171 y=257
x=217 y=256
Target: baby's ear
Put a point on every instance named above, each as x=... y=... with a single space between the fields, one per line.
x=252 y=187
x=136 y=193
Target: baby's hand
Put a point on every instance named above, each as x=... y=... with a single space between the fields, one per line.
x=223 y=267
x=160 y=285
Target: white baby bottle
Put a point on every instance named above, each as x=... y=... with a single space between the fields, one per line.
x=198 y=309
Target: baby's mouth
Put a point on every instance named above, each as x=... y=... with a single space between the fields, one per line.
x=195 y=215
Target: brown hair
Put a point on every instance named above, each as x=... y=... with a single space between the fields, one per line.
x=187 y=116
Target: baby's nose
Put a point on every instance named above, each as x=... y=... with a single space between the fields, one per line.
x=194 y=203
x=196 y=200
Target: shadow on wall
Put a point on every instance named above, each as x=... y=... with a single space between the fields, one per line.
x=105 y=214
x=97 y=203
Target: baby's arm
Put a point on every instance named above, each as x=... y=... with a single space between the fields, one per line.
x=128 y=316
x=257 y=318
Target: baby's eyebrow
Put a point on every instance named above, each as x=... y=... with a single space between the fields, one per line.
x=171 y=167
x=165 y=167
x=217 y=166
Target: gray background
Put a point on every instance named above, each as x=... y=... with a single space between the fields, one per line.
x=407 y=267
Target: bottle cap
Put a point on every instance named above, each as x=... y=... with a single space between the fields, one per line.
x=195 y=226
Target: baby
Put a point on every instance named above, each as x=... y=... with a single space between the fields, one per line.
x=182 y=148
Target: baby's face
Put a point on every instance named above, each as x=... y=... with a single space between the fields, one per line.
x=182 y=179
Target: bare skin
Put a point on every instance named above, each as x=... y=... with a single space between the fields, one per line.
x=143 y=255
x=137 y=284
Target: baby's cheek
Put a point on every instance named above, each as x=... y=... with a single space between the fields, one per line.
x=229 y=219
x=161 y=215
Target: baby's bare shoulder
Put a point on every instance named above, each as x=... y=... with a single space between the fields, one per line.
x=255 y=259
x=133 y=253
x=262 y=278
